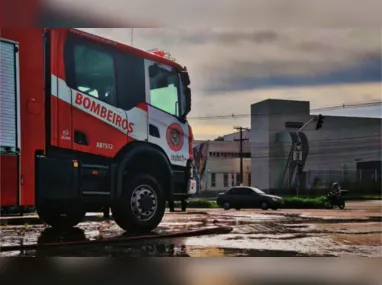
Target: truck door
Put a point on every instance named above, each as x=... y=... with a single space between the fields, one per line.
x=98 y=125
x=60 y=101
x=165 y=128
x=10 y=134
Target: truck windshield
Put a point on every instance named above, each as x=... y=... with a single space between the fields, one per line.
x=166 y=90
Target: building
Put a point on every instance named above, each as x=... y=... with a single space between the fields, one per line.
x=218 y=164
x=345 y=149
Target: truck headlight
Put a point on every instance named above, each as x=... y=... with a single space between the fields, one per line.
x=275 y=199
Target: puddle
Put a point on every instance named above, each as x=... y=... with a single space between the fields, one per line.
x=254 y=234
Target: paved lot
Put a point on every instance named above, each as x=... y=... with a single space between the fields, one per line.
x=355 y=231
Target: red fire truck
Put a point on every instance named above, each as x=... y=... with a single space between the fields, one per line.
x=86 y=123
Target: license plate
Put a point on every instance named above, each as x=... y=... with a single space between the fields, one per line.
x=191 y=186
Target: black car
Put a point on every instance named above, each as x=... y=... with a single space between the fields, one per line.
x=248 y=197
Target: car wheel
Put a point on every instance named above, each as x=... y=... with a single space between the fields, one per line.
x=264 y=206
x=226 y=206
x=141 y=206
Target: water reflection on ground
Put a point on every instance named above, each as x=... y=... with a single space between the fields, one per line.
x=281 y=234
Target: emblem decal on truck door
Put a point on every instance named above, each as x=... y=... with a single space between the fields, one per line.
x=65 y=135
x=175 y=137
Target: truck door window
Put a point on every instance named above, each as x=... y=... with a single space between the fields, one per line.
x=92 y=71
x=164 y=90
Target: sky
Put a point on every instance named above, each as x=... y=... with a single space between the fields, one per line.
x=232 y=68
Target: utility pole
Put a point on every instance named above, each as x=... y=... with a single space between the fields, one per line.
x=241 y=140
x=297 y=156
x=297 y=153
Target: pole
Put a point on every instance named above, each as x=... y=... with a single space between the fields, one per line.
x=298 y=151
x=241 y=155
x=241 y=152
x=298 y=158
x=306 y=124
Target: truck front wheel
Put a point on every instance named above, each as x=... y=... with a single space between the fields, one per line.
x=141 y=206
x=59 y=218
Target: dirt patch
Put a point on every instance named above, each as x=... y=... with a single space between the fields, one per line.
x=352 y=239
x=353 y=227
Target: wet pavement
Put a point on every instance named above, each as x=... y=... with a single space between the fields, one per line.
x=355 y=231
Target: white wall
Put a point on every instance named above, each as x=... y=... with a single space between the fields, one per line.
x=221 y=166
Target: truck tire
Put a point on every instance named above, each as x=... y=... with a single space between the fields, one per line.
x=59 y=218
x=141 y=206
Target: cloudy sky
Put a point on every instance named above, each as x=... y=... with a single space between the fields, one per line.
x=233 y=68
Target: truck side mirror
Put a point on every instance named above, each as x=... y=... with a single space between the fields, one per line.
x=185 y=78
x=187 y=94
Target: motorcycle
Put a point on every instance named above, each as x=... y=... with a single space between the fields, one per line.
x=331 y=201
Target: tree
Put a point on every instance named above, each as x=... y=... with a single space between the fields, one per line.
x=219 y=139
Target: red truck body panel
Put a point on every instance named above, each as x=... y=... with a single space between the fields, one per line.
x=31 y=112
x=9 y=182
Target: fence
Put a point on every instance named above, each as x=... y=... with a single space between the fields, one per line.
x=357 y=181
x=365 y=181
x=325 y=178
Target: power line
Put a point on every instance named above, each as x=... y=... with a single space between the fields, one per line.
x=352 y=139
x=289 y=111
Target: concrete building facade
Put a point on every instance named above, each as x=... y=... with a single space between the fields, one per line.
x=344 y=149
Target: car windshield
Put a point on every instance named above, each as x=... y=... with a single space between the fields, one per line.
x=258 y=191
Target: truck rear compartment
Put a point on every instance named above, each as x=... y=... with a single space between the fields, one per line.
x=9 y=124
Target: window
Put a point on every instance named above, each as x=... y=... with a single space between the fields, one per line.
x=247 y=154
x=234 y=191
x=230 y=191
x=213 y=180
x=232 y=180
x=244 y=191
x=165 y=89
x=238 y=179
x=91 y=70
x=225 y=180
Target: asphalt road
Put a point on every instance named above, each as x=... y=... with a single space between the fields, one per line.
x=355 y=231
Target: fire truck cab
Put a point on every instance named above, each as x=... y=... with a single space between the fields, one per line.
x=86 y=122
